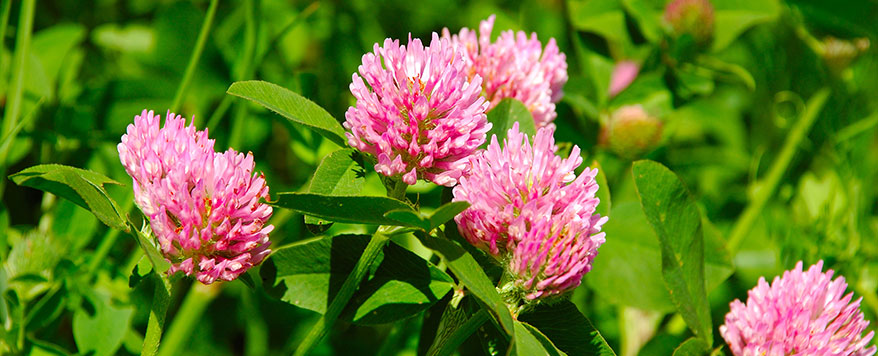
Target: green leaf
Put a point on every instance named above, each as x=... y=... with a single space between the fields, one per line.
x=568 y=329
x=292 y=106
x=101 y=327
x=348 y=209
x=408 y=217
x=472 y=276
x=733 y=17
x=446 y=212
x=692 y=347
x=339 y=174
x=506 y=113
x=627 y=271
x=83 y=187
x=529 y=341
x=454 y=328
x=402 y=284
x=603 y=17
x=674 y=217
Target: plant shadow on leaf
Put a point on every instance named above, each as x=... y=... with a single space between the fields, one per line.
x=309 y=274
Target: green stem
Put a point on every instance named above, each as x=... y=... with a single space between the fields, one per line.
x=376 y=244
x=244 y=70
x=196 y=300
x=5 y=9
x=160 y=301
x=460 y=334
x=256 y=330
x=769 y=184
x=196 y=55
x=227 y=100
x=22 y=47
x=219 y=112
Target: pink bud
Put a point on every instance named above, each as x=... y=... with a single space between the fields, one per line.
x=623 y=75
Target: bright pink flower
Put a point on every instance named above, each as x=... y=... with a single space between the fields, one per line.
x=801 y=313
x=515 y=66
x=421 y=115
x=527 y=203
x=203 y=206
x=623 y=74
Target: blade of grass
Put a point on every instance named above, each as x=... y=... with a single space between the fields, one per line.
x=22 y=47
x=5 y=9
x=243 y=70
x=196 y=55
x=769 y=184
x=13 y=98
x=227 y=100
x=190 y=311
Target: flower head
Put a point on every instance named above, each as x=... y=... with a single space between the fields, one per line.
x=203 y=206
x=420 y=115
x=801 y=313
x=515 y=66
x=529 y=209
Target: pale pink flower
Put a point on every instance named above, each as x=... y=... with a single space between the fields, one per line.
x=801 y=313
x=623 y=75
x=530 y=209
x=420 y=115
x=515 y=66
x=203 y=206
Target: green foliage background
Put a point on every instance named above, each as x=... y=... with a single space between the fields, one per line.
x=728 y=108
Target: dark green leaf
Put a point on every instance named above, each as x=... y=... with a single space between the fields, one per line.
x=674 y=217
x=648 y=17
x=506 y=113
x=692 y=347
x=338 y=174
x=83 y=187
x=306 y=274
x=292 y=106
x=568 y=329
x=349 y=209
x=472 y=276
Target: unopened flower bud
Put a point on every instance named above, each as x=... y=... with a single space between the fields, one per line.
x=692 y=17
x=839 y=54
x=631 y=131
x=623 y=75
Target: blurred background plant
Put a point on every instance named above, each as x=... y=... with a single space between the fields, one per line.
x=765 y=109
